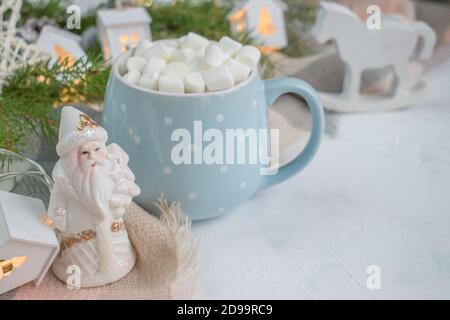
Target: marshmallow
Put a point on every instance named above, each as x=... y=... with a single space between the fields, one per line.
x=195 y=41
x=136 y=63
x=184 y=55
x=239 y=70
x=190 y=64
x=249 y=55
x=175 y=69
x=201 y=52
x=194 y=83
x=171 y=43
x=142 y=45
x=218 y=78
x=155 y=65
x=149 y=81
x=229 y=46
x=214 y=56
x=132 y=76
x=195 y=65
x=182 y=42
x=171 y=84
x=159 y=50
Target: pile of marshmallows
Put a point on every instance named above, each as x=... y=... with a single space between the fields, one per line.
x=191 y=64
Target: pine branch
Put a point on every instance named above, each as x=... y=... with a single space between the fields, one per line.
x=177 y=19
x=29 y=98
x=38 y=9
x=208 y=18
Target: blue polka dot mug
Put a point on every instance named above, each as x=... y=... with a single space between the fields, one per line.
x=197 y=149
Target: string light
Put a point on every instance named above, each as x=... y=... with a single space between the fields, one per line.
x=8 y=266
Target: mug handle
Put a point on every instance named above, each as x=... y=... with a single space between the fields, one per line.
x=275 y=88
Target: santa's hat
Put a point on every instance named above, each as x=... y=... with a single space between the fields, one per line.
x=75 y=129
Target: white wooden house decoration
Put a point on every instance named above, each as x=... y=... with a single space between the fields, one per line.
x=122 y=29
x=61 y=44
x=263 y=19
x=27 y=246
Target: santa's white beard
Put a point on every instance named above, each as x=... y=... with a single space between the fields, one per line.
x=93 y=187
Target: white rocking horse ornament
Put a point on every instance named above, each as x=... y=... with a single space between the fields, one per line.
x=362 y=49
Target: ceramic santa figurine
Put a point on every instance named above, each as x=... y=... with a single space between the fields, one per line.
x=93 y=189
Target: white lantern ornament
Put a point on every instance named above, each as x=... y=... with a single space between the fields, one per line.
x=27 y=247
x=61 y=44
x=122 y=29
x=264 y=19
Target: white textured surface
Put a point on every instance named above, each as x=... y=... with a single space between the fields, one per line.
x=378 y=193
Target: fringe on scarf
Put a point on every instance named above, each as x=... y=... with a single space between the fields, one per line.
x=180 y=227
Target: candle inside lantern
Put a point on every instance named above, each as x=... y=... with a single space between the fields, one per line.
x=128 y=41
x=266 y=26
x=64 y=55
x=8 y=266
x=238 y=19
x=263 y=20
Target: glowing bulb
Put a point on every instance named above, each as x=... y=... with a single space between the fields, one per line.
x=8 y=266
x=134 y=39
x=124 y=41
x=64 y=55
x=238 y=19
x=266 y=26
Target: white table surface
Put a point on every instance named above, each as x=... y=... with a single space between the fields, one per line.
x=378 y=193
